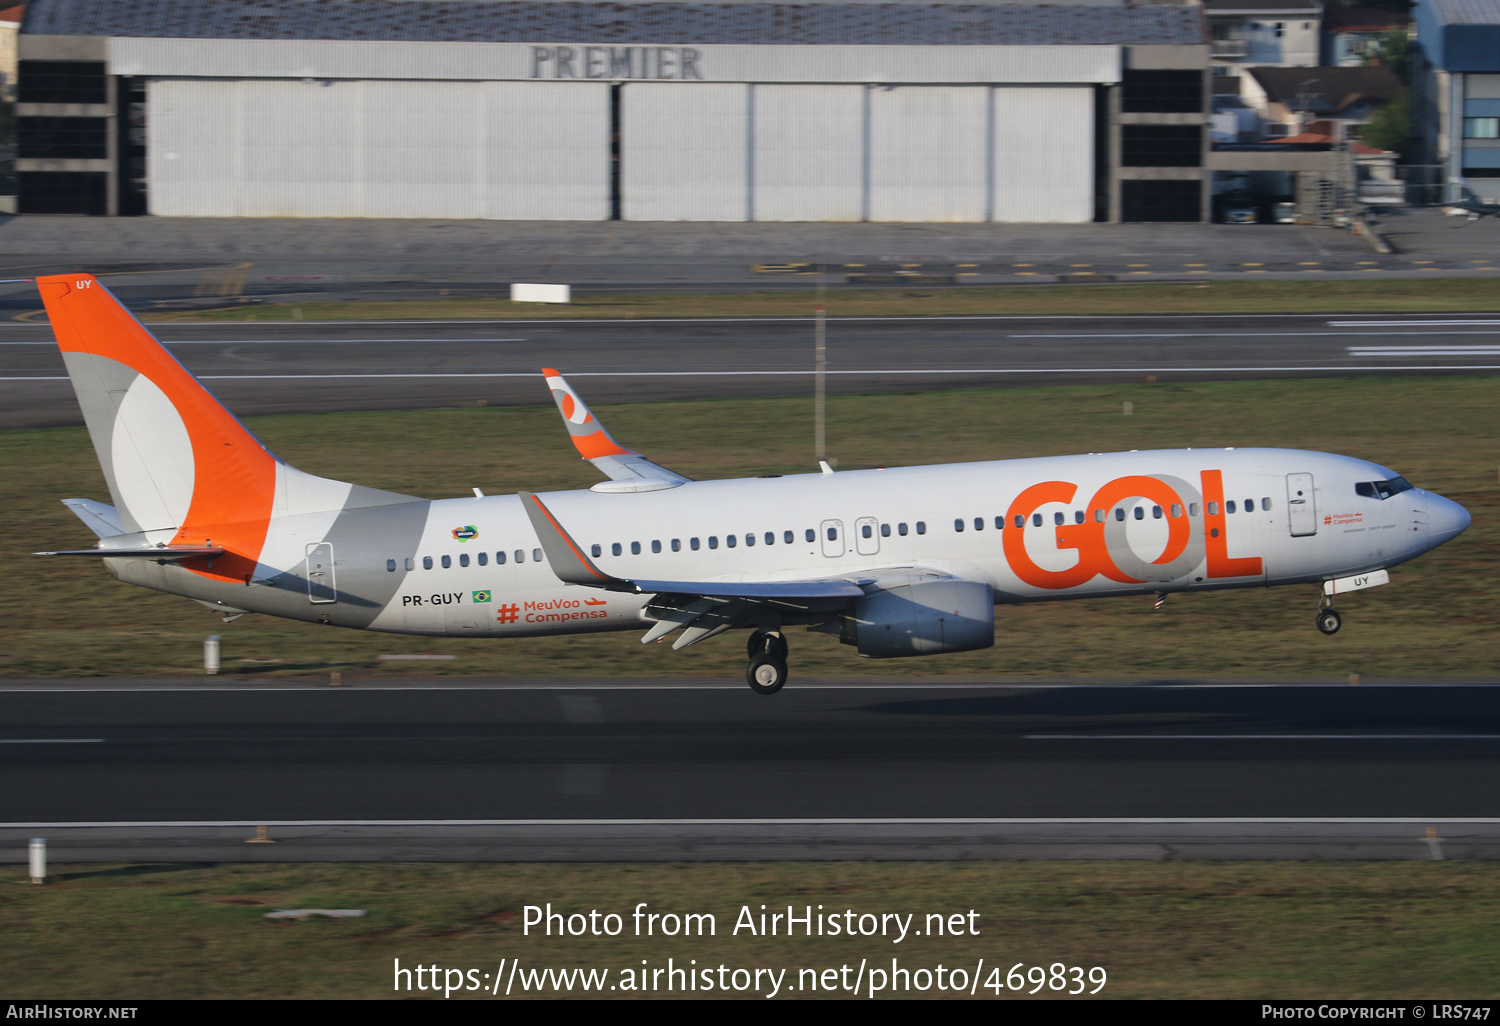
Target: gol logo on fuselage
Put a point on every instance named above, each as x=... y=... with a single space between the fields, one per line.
x=1101 y=542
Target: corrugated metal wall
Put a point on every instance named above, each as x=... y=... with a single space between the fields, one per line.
x=1043 y=142
x=259 y=148
x=808 y=143
x=684 y=152
x=928 y=153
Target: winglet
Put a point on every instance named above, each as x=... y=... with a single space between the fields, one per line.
x=589 y=436
x=566 y=556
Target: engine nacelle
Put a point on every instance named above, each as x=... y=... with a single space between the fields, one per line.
x=923 y=619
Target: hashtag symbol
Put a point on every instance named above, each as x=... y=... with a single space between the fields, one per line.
x=508 y=613
x=1327 y=520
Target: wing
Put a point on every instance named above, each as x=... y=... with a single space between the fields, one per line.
x=701 y=608
x=627 y=471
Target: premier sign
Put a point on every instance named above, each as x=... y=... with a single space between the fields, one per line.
x=616 y=63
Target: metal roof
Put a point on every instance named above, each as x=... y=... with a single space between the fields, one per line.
x=625 y=23
x=1300 y=7
x=1460 y=35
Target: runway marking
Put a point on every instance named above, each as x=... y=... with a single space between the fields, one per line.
x=934 y=821
x=286 y=341
x=52 y=741
x=1251 y=334
x=1262 y=737
x=1424 y=350
x=1405 y=324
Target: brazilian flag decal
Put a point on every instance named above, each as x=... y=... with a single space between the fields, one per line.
x=481 y=596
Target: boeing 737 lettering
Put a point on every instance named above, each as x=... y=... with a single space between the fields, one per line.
x=895 y=562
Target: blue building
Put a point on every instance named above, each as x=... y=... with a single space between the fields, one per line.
x=1457 y=75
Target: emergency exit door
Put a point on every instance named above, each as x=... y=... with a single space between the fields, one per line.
x=1302 y=509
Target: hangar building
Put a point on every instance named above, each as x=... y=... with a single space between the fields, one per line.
x=655 y=110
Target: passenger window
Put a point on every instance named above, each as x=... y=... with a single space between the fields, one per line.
x=812 y=535
x=921 y=527
x=1229 y=506
x=788 y=537
x=1020 y=520
x=1176 y=511
x=463 y=559
x=1265 y=503
x=520 y=555
x=1249 y=505
x=635 y=548
x=597 y=551
x=536 y=555
x=1078 y=517
x=676 y=544
x=1119 y=512
x=730 y=540
x=615 y=549
x=483 y=558
x=693 y=544
x=447 y=562
x=426 y=562
x=1098 y=516
x=979 y=523
x=771 y=538
x=999 y=523
x=1058 y=518
x=390 y=566
x=1140 y=513
x=1213 y=509
x=1192 y=509
x=411 y=564
x=500 y=558
x=1036 y=519
x=958 y=525
x=1155 y=512
x=833 y=534
x=866 y=531
x=749 y=538
x=655 y=546
x=713 y=541
x=901 y=529
x=885 y=530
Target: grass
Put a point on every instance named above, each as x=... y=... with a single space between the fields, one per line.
x=1398 y=295
x=1437 y=618
x=1159 y=929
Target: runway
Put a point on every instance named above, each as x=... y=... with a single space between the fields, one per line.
x=314 y=753
x=259 y=368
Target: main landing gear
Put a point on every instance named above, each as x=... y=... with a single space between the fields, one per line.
x=1328 y=619
x=766 y=673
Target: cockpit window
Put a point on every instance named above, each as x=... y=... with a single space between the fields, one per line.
x=1382 y=489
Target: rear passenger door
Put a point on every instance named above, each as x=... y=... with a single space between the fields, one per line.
x=867 y=536
x=832 y=533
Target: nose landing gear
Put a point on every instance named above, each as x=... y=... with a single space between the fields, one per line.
x=767 y=672
x=1328 y=619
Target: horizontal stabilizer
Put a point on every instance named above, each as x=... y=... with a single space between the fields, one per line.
x=162 y=554
x=99 y=517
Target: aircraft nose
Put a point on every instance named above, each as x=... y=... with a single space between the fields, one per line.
x=1446 y=519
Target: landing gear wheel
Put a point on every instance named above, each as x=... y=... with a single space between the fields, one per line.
x=761 y=643
x=766 y=675
x=1329 y=621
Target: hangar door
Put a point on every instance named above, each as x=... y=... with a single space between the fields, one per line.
x=713 y=152
x=329 y=148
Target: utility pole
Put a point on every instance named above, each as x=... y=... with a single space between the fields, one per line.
x=820 y=371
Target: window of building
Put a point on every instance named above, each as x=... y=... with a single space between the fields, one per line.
x=447 y=562
x=1474 y=128
x=921 y=527
x=390 y=566
x=62 y=138
x=635 y=548
x=463 y=559
x=1164 y=200
x=1161 y=146
x=1161 y=92
x=1280 y=29
x=655 y=545
x=483 y=559
x=62 y=82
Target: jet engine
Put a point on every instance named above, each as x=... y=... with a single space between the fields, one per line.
x=924 y=618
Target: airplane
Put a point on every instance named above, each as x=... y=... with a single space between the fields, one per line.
x=1471 y=204
x=895 y=562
